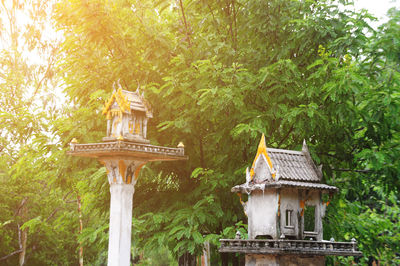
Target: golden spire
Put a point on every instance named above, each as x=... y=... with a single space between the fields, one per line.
x=181 y=145
x=122 y=101
x=262 y=149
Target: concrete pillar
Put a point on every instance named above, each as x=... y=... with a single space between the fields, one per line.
x=119 y=244
x=122 y=175
x=284 y=260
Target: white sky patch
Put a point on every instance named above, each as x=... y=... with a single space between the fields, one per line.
x=378 y=8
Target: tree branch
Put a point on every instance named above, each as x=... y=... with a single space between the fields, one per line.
x=11 y=254
x=234 y=26
x=184 y=20
x=352 y=170
x=43 y=78
x=52 y=214
x=286 y=136
x=214 y=20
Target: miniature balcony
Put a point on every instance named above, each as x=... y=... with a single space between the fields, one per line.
x=124 y=148
x=284 y=246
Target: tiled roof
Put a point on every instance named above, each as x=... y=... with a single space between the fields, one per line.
x=137 y=102
x=247 y=188
x=282 y=168
x=294 y=165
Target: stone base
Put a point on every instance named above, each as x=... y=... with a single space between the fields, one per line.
x=283 y=260
x=131 y=138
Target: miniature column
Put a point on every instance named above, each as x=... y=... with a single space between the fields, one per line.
x=122 y=174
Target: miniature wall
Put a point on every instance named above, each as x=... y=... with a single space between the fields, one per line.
x=262 y=208
x=289 y=202
x=299 y=227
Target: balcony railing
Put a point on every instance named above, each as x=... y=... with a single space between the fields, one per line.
x=123 y=146
x=285 y=246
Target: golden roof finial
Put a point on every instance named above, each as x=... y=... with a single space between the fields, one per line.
x=180 y=145
x=262 y=149
x=120 y=137
x=74 y=141
x=121 y=100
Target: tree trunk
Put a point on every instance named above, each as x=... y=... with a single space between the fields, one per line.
x=205 y=258
x=242 y=259
x=187 y=259
x=224 y=259
x=24 y=237
x=80 y=230
x=22 y=234
x=235 y=259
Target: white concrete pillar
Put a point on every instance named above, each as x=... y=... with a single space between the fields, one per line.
x=122 y=175
x=119 y=244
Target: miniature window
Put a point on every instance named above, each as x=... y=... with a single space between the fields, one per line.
x=289 y=218
x=309 y=219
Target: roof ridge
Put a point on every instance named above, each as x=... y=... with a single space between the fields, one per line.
x=285 y=151
x=307 y=154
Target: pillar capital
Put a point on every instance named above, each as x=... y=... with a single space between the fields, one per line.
x=122 y=171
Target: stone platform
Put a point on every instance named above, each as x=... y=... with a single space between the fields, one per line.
x=289 y=247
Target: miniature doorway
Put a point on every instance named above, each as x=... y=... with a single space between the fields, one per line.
x=309 y=219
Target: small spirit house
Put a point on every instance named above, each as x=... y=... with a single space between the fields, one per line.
x=123 y=152
x=285 y=208
x=127 y=114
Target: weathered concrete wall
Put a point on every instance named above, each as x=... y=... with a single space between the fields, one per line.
x=261 y=260
x=288 y=260
x=290 y=201
x=262 y=209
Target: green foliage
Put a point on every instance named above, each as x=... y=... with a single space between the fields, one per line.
x=218 y=74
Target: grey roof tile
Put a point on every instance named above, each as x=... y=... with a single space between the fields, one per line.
x=293 y=165
x=295 y=169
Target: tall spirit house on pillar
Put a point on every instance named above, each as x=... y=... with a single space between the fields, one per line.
x=285 y=209
x=127 y=115
x=124 y=151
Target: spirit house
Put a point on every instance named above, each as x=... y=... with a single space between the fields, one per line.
x=127 y=115
x=285 y=208
x=124 y=151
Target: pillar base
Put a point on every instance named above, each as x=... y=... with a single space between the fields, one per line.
x=119 y=244
x=286 y=260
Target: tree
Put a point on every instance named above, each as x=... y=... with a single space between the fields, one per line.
x=28 y=165
x=218 y=74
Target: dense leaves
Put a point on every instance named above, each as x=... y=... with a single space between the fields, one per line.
x=218 y=74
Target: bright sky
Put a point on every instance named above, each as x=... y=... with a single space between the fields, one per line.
x=378 y=8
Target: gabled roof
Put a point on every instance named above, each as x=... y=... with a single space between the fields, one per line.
x=294 y=165
x=262 y=152
x=127 y=101
x=288 y=168
x=138 y=102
